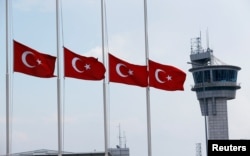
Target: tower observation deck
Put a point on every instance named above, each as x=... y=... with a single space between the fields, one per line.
x=215 y=83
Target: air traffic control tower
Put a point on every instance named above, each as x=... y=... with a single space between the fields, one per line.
x=215 y=83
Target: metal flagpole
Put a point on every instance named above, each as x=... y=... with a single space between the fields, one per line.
x=7 y=82
x=104 y=84
x=59 y=100
x=147 y=89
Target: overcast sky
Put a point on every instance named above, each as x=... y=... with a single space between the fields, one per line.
x=177 y=124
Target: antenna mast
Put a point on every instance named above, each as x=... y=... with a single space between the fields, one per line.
x=207 y=34
x=196 y=45
x=198 y=149
x=120 y=137
x=122 y=143
x=125 y=140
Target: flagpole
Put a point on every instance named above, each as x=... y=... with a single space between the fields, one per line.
x=105 y=112
x=147 y=89
x=59 y=99
x=8 y=151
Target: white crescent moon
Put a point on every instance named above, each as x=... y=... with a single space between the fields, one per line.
x=119 y=71
x=24 y=55
x=157 y=75
x=74 y=60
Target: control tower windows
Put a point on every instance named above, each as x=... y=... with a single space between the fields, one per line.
x=202 y=76
x=225 y=75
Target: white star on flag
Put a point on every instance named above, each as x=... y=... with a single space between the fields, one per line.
x=39 y=61
x=169 y=78
x=87 y=66
x=130 y=72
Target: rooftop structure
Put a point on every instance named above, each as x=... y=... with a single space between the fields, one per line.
x=43 y=152
x=112 y=152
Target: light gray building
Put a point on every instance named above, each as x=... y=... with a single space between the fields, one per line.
x=112 y=152
x=119 y=151
x=40 y=152
x=215 y=83
x=46 y=152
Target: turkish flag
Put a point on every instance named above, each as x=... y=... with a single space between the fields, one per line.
x=32 y=62
x=165 y=77
x=123 y=72
x=81 y=67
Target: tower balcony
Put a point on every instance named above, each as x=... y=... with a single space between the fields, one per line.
x=216 y=89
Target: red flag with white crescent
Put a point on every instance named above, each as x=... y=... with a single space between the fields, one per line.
x=32 y=62
x=81 y=67
x=121 y=71
x=166 y=77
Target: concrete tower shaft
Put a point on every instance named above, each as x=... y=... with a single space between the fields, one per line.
x=214 y=85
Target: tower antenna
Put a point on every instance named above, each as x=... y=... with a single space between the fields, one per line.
x=207 y=34
x=120 y=137
x=125 y=140
x=198 y=149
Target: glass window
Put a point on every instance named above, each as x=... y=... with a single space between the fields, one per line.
x=207 y=76
x=225 y=75
x=198 y=76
